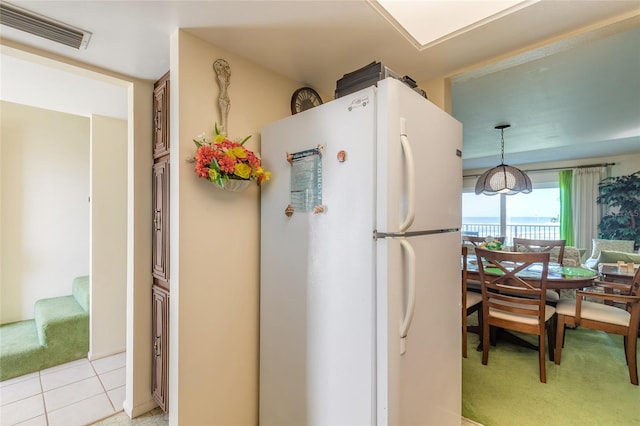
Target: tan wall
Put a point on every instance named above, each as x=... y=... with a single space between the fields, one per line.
x=44 y=231
x=438 y=92
x=108 y=251
x=215 y=238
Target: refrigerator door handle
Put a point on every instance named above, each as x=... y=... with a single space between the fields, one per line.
x=410 y=273
x=410 y=175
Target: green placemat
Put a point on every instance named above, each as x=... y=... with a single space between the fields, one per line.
x=577 y=272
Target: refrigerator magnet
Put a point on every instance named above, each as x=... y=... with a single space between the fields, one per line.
x=342 y=156
x=288 y=211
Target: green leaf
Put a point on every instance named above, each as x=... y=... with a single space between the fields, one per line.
x=215 y=166
x=621 y=196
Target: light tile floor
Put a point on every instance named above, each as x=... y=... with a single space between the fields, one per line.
x=73 y=394
x=78 y=393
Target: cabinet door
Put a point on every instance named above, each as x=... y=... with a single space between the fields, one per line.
x=160 y=360
x=161 y=117
x=160 y=234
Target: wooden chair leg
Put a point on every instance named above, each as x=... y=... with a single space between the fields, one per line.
x=480 y=328
x=632 y=362
x=493 y=335
x=485 y=344
x=464 y=339
x=626 y=353
x=559 y=338
x=542 y=358
x=551 y=339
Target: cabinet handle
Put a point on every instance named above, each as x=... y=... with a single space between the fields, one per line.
x=157 y=220
x=156 y=120
x=157 y=347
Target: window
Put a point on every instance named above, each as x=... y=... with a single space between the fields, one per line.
x=535 y=215
x=480 y=215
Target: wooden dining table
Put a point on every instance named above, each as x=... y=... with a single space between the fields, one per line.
x=559 y=277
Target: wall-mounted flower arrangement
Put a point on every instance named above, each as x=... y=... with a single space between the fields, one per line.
x=228 y=164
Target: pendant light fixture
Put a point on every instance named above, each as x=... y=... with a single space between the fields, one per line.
x=503 y=179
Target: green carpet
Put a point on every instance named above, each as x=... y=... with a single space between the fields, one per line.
x=590 y=387
x=58 y=334
x=20 y=350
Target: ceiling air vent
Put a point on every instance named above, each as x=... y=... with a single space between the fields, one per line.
x=32 y=23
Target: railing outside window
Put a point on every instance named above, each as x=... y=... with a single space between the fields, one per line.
x=534 y=232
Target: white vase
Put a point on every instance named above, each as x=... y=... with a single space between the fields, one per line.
x=234 y=185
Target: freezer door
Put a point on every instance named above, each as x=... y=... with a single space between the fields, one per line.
x=419 y=361
x=419 y=162
x=317 y=294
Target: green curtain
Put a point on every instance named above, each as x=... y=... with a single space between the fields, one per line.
x=566 y=210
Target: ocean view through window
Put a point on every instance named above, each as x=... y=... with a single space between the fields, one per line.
x=534 y=216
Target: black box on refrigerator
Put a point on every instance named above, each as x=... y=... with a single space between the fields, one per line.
x=369 y=75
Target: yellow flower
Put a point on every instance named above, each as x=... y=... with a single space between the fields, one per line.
x=239 y=152
x=219 y=138
x=242 y=170
x=213 y=175
x=262 y=174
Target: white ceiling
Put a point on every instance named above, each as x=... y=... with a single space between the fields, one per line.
x=565 y=98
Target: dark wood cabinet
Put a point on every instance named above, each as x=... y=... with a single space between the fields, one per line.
x=160 y=236
x=161 y=117
x=160 y=245
x=160 y=365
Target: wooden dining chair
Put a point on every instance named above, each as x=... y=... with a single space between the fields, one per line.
x=471 y=242
x=511 y=302
x=553 y=247
x=610 y=319
x=471 y=302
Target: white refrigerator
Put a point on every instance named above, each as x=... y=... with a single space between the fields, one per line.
x=360 y=304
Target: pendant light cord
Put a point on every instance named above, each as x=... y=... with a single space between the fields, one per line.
x=501 y=127
x=502 y=142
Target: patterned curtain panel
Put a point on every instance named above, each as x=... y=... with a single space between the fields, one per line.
x=566 y=208
x=586 y=211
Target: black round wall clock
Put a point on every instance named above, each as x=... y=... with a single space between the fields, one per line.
x=303 y=99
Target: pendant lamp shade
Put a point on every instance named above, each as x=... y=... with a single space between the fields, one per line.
x=503 y=179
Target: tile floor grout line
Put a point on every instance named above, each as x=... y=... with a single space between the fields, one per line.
x=102 y=385
x=44 y=405
x=44 y=402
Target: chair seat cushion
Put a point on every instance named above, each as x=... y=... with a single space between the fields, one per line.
x=473 y=298
x=474 y=285
x=525 y=319
x=595 y=312
x=552 y=296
